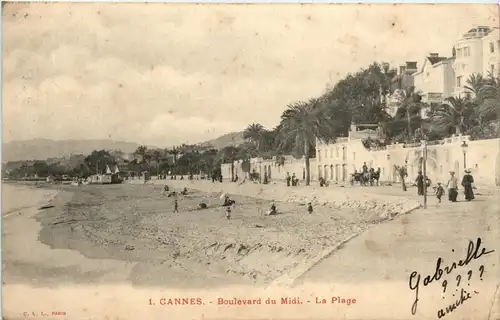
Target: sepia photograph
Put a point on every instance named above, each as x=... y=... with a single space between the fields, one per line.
x=250 y=161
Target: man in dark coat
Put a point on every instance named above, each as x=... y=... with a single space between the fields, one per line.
x=420 y=183
x=467 y=182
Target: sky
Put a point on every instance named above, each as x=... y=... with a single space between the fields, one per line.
x=165 y=74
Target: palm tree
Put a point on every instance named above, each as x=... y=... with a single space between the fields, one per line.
x=157 y=155
x=409 y=101
x=175 y=151
x=255 y=133
x=142 y=151
x=301 y=124
x=475 y=83
x=489 y=98
x=453 y=113
x=229 y=153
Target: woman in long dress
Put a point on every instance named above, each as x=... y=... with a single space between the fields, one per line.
x=452 y=187
x=467 y=182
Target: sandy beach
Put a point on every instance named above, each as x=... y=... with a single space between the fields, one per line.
x=100 y=247
x=135 y=224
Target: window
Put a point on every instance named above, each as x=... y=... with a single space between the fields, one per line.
x=492 y=47
x=459 y=52
x=331 y=153
x=337 y=152
x=466 y=51
x=492 y=68
x=354 y=156
x=319 y=155
x=459 y=81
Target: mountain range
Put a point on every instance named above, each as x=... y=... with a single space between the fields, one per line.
x=233 y=138
x=41 y=149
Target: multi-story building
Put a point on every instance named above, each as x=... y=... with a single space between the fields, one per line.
x=434 y=80
x=476 y=53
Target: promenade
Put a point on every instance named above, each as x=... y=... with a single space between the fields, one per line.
x=375 y=267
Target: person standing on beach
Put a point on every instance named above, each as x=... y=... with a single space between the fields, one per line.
x=228 y=213
x=309 y=208
x=452 y=187
x=176 y=206
x=467 y=182
x=288 y=179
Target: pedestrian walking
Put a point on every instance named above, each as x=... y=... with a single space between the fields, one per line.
x=439 y=191
x=176 y=206
x=467 y=182
x=452 y=187
x=228 y=213
x=309 y=208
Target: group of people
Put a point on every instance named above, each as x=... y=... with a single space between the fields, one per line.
x=366 y=176
x=291 y=180
x=452 y=186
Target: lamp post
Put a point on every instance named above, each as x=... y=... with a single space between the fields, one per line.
x=464 y=147
x=424 y=169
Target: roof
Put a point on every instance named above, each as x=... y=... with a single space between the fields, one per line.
x=435 y=60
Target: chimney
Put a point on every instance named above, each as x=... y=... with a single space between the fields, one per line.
x=434 y=55
x=411 y=66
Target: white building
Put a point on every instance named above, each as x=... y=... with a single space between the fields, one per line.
x=491 y=50
x=476 y=53
x=435 y=78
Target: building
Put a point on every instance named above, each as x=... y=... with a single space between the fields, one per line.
x=402 y=81
x=435 y=78
x=491 y=53
x=476 y=53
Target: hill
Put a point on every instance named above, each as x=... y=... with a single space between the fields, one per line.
x=42 y=149
x=233 y=138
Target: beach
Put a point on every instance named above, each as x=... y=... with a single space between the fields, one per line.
x=121 y=250
x=135 y=224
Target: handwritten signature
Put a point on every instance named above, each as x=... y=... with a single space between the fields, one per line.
x=473 y=253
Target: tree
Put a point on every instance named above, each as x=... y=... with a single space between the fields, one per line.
x=255 y=133
x=157 y=155
x=409 y=104
x=98 y=160
x=302 y=123
x=475 y=83
x=360 y=97
x=175 y=151
x=453 y=114
x=142 y=151
x=489 y=99
x=228 y=154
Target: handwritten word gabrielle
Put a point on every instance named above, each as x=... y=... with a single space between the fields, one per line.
x=473 y=253
x=336 y=300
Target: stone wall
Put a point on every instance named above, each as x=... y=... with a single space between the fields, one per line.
x=335 y=162
x=482 y=157
x=274 y=170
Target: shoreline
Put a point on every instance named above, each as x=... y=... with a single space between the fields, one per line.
x=104 y=229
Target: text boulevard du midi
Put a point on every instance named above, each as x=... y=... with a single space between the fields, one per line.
x=256 y=301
